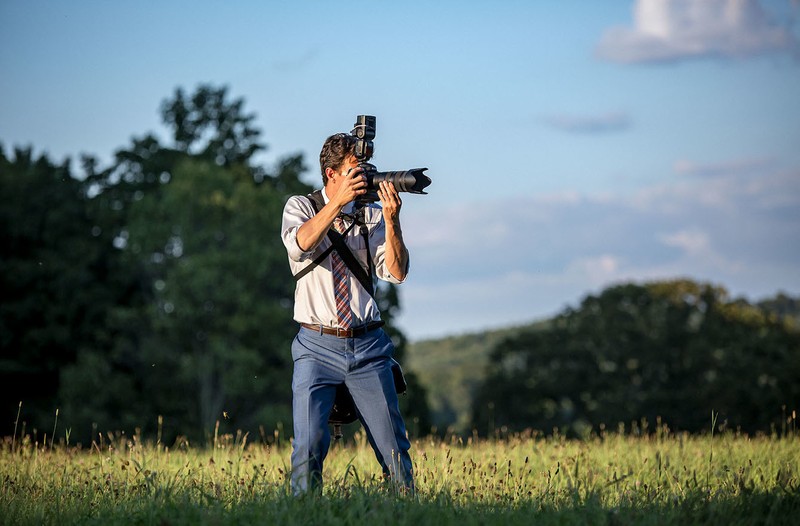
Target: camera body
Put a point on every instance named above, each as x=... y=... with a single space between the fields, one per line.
x=413 y=181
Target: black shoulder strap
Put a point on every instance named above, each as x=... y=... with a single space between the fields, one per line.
x=362 y=222
x=317 y=201
x=338 y=244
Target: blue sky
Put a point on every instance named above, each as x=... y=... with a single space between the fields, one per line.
x=572 y=145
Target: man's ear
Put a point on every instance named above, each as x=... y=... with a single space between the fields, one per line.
x=330 y=173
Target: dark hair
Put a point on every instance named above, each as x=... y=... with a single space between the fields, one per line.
x=334 y=152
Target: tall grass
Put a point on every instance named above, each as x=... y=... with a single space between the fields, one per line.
x=616 y=478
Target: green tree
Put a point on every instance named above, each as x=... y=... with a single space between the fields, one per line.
x=197 y=226
x=673 y=351
x=58 y=281
x=223 y=290
x=211 y=126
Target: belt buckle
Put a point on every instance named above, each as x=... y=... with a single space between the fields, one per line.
x=342 y=333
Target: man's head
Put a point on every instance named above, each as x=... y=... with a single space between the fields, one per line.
x=335 y=151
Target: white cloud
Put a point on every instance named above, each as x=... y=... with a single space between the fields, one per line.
x=603 y=123
x=671 y=30
x=296 y=62
x=693 y=241
x=500 y=263
x=726 y=168
x=596 y=270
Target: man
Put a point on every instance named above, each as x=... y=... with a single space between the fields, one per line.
x=340 y=340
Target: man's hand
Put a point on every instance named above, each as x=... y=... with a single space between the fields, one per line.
x=347 y=186
x=351 y=185
x=390 y=200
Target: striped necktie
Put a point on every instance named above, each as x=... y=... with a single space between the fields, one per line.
x=341 y=283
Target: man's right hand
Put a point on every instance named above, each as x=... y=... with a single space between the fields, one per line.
x=353 y=184
x=347 y=185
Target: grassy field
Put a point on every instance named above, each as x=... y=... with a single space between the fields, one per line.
x=612 y=479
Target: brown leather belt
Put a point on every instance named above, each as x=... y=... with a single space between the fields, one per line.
x=344 y=333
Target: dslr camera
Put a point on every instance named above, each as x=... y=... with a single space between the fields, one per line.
x=413 y=181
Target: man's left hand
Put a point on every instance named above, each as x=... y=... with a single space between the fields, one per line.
x=390 y=201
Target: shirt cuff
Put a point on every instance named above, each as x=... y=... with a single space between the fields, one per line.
x=293 y=248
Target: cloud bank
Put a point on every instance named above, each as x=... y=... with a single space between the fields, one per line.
x=673 y=30
x=494 y=264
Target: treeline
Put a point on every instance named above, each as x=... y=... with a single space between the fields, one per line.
x=671 y=352
x=154 y=293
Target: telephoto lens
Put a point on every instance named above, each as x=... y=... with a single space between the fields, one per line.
x=413 y=181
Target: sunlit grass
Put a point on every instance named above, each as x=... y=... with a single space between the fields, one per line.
x=615 y=478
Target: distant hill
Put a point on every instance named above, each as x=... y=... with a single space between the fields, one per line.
x=452 y=368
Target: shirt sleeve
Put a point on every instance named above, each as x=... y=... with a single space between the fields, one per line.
x=297 y=211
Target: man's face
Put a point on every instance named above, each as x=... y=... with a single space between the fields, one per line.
x=350 y=162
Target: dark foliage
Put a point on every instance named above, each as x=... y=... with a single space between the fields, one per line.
x=669 y=351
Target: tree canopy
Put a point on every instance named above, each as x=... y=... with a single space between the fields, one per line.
x=665 y=351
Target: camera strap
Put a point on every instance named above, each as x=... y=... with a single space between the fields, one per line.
x=338 y=243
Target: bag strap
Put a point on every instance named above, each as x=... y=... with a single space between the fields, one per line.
x=337 y=243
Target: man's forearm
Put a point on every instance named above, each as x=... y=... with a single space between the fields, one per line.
x=396 y=252
x=311 y=233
